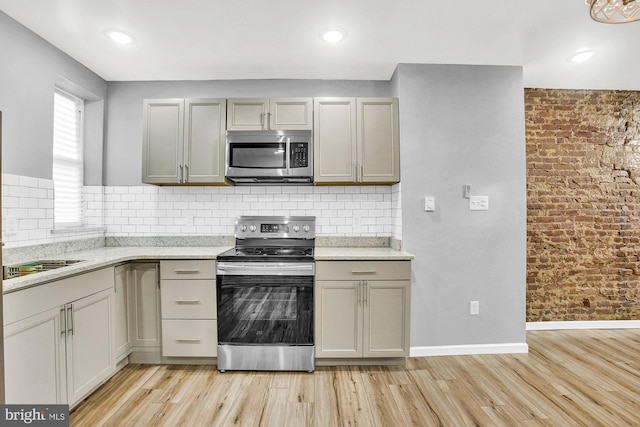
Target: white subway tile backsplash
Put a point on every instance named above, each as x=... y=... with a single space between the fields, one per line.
x=8 y=201
x=26 y=181
x=373 y=211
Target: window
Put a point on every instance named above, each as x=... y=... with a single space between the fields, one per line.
x=67 y=160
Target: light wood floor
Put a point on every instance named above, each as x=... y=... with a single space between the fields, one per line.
x=569 y=378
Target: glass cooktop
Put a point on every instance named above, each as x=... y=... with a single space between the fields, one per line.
x=268 y=253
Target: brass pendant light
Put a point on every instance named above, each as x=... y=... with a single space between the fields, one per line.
x=614 y=11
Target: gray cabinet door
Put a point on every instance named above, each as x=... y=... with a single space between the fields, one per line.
x=247 y=113
x=334 y=140
x=122 y=323
x=204 y=140
x=90 y=355
x=34 y=355
x=290 y=113
x=378 y=140
x=146 y=305
x=338 y=319
x=162 y=136
x=386 y=318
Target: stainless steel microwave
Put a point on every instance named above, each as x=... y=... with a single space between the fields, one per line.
x=270 y=157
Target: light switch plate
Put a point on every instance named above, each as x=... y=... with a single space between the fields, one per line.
x=474 y=308
x=479 y=203
x=466 y=189
x=429 y=204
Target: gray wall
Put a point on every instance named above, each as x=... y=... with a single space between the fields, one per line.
x=30 y=68
x=464 y=125
x=123 y=153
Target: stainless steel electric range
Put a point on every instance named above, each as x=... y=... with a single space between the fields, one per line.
x=265 y=295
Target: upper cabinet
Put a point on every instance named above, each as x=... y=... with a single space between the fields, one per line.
x=270 y=114
x=334 y=140
x=183 y=141
x=356 y=140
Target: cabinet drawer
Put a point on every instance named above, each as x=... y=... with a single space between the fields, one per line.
x=188 y=269
x=188 y=299
x=189 y=338
x=363 y=270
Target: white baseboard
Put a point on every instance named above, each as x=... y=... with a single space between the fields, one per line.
x=459 y=350
x=583 y=324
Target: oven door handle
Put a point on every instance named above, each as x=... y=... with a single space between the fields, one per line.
x=265 y=269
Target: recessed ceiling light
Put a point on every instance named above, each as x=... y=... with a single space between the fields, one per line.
x=333 y=35
x=582 y=56
x=119 y=37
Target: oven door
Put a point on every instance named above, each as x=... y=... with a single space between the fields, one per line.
x=271 y=305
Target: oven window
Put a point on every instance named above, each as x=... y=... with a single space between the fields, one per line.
x=258 y=155
x=265 y=310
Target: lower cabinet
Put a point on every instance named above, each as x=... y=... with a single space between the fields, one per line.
x=145 y=307
x=189 y=338
x=362 y=309
x=122 y=307
x=60 y=354
x=89 y=339
x=189 y=327
x=34 y=359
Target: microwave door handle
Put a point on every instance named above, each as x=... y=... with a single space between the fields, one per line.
x=288 y=157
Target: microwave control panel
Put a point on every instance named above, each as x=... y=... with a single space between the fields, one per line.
x=299 y=154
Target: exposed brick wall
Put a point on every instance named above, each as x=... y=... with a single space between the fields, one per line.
x=583 y=199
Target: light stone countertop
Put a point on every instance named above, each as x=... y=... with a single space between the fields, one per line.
x=107 y=256
x=94 y=259
x=372 y=254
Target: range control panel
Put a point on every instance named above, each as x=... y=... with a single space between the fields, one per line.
x=297 y=227
x=274 y=228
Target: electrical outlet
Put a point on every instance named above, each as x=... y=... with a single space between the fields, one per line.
x=479 y=203
x=429 y=204
x=474 y=308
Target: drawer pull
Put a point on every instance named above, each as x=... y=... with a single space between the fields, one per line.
x=187 y=271
x=187 y=301
x=363 y=271
x=188 y=340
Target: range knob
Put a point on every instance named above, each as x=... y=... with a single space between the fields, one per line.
x=243 y=228
x=296 y=228
x=306 y=228
x=253 y=228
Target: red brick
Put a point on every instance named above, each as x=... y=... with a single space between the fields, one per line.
x=583 y=198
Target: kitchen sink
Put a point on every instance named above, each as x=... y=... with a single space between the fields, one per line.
x=17 y=270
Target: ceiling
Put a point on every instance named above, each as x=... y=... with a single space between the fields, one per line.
x=260 y=39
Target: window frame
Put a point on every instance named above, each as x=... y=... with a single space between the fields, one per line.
x=77 y=164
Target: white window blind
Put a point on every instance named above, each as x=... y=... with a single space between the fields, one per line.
x=67 y=160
